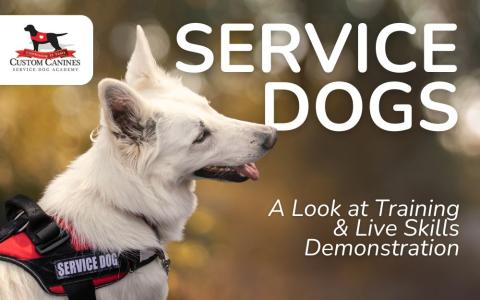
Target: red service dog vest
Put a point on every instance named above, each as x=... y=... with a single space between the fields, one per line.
x=33 y=241
x=40 y=37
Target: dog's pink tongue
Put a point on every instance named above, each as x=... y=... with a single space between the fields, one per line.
x=249 y=170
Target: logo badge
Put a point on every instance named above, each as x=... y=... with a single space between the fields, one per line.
x=46 y=50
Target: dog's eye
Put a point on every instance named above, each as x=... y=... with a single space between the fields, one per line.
x=202 y=136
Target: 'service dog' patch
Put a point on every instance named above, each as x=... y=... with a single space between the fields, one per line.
x=87 y=264
x=46 y=50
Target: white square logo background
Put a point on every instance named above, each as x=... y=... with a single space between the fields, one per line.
x=79 y=38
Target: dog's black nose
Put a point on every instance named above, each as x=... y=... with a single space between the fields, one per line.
x=270 y=140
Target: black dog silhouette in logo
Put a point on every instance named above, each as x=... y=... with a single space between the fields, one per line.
x=43 y=38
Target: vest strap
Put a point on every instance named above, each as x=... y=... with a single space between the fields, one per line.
x=80 y=291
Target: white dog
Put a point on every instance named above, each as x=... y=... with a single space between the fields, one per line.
x=134 y=188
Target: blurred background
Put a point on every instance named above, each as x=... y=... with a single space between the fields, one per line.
x=232 y=250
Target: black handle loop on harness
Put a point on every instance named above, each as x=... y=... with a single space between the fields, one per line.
x=40 y=228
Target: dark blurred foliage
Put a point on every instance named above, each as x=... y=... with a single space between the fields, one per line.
x=232 y=249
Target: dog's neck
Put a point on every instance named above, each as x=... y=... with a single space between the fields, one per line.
x=110 y=208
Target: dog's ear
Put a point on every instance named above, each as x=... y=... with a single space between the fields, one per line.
x=123 y=109
x=142 y=68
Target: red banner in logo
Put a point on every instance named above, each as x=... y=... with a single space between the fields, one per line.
x=45 y=55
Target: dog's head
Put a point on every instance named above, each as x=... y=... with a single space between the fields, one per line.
x=163 y=129
x=29 y=28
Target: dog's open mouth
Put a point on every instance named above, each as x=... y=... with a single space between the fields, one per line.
x=235 y=174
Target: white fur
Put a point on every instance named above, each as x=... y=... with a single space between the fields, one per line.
x=103 y=192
